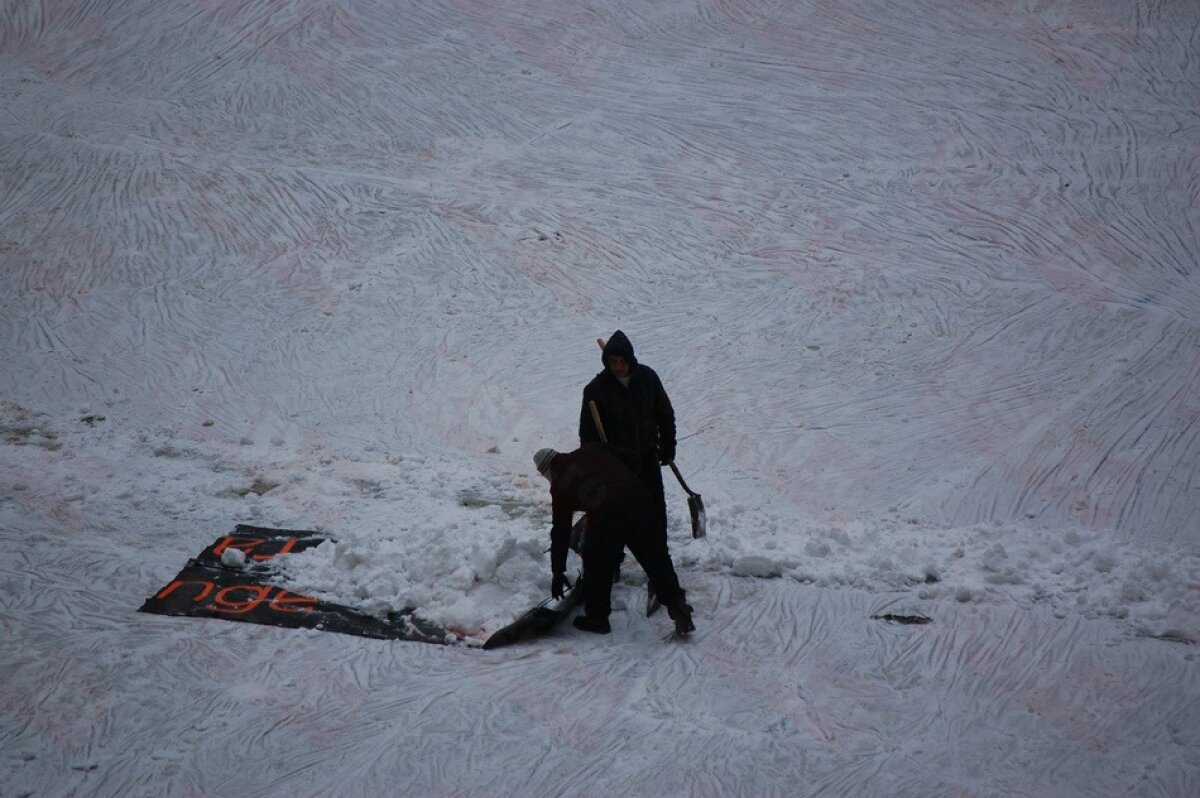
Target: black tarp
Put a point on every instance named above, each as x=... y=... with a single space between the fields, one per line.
x=208 y=588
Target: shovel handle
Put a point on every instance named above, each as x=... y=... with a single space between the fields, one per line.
x=679 y=477
x=596 y=419
x=595 y=410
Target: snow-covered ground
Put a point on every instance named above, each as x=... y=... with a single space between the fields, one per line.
x=921 y=279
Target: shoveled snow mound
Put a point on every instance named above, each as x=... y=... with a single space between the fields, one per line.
x=473 y=559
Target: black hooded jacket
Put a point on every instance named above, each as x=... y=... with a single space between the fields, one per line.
x=638 y=417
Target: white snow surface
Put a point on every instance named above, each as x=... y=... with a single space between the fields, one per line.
x=921 y=279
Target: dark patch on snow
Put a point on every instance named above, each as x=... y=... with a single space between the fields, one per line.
x=892 y=617
x=1171 y=637
x=260 y=485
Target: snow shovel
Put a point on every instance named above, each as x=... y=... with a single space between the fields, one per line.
x=695 y=506
x=540 y=620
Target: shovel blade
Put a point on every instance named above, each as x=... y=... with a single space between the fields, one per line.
x=696 y=508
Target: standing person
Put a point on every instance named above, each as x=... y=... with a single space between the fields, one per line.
x=637 y=416
x=592 y=479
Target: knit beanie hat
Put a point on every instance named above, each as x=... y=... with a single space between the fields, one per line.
x=542 y=459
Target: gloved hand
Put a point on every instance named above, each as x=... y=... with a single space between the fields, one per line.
x=557 y=585
x=666 y=453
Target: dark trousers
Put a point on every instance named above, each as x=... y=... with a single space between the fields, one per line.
x=627 y=526
x=650 y=473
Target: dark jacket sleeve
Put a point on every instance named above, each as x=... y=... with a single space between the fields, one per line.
x=560 y=540
x=560 y=531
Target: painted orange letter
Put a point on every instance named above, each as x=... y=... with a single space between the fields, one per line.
x=229 y=542
x=169 y=589
x=225 y=604
x=284 y=598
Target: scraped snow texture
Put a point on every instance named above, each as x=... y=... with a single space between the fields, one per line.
x=920 y=278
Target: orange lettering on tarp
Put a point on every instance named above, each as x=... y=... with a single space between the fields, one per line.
x=169 y=589
x=284 y=598
x=248 y=545
x=227 y=600
x=223 y=603
x=284 y=549
x=241 y=544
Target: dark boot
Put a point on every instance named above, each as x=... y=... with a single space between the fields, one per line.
x=586 y=623
x=681 y=613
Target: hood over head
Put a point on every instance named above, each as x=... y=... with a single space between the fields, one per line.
x=618 y=344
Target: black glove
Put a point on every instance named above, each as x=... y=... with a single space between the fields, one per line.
x=666 y=453
x=557 y=584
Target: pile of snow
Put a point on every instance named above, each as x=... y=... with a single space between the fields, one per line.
x=475 y=567
x=463 y=540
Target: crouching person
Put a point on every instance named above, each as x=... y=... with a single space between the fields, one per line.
x=592 y=479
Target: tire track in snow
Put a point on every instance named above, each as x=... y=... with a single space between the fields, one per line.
x=1045 y=442
x=827 y=43
x=575 y=44
x=1003 y=669
x=64 y=42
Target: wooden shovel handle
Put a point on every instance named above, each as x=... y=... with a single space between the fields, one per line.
x=592 y=405
x=596 y=418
